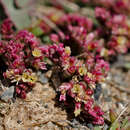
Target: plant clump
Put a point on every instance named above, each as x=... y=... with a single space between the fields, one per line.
x=23 y=56
x=79 y=47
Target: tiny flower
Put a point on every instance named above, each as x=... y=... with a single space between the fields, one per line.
x=104 y=52
x=16 y=78
x=42 y=66
x=38 y=64
x=32 y=78
x=92 y=113
x=75 y=79
x=67 y=50
x=62 y=97
x=82 y=71
x=54 y=38
x=89 y=75
x=88 y=104
x=92 y=85
x=22 y=86
x=36 y=52
x=9 y=74
x=122 y=31
x=121 y=40
x=78 y=98
x=18 y=91
x=98 y=120
x=102 y=13
x=76 y=88
x=89 y=92
x=77 y=108
x=25 y=77
x=23 y=94
x=98 y=110
x=6 y=28
x=71 y=69
x=77 y=112
x=29 y=77
x=65 y=86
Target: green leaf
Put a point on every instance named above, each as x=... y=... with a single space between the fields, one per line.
x=112 y=115
x=37 y=31
x=127 y=65
x=19 y=17
x=97 y=128
x=23 y=3
x=114 y=126
x=126 y=124
x=48 y=61
x=125 y=121
x=46 y=39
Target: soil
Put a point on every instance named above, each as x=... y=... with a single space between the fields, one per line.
x=40 y=112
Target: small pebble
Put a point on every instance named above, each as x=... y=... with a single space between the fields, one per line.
x=97 y=91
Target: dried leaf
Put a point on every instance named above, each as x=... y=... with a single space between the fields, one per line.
x=46 y=39
x=112 y=115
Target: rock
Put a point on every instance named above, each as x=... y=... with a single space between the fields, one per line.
x=97 y=91
x=7 y=94
x=42 y=78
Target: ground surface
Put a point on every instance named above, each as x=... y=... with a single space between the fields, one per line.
x=40 y=112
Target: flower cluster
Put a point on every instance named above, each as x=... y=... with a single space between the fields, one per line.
x=84 y=73
x=80 y=74
x=21 y=54
x=74 y=29
x=118 y=6
x=79 y=78
x=117 y=26
x=6 y=29
x=78 y=50
x=110 y=38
